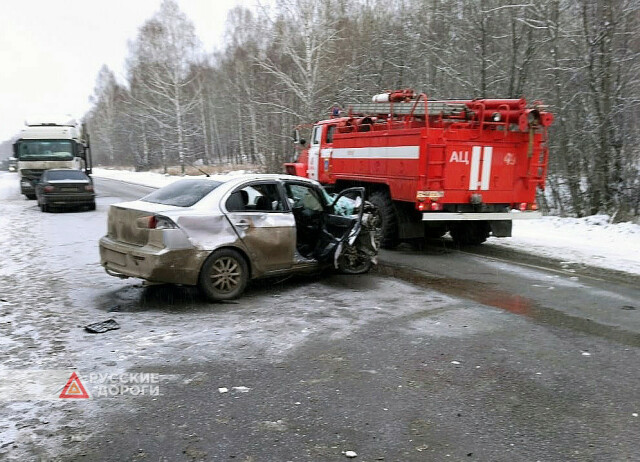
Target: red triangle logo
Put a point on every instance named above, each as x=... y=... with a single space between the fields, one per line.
x=74 y=388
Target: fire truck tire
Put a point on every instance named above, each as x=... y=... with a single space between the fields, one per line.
x=466 y=233
x=387 y=235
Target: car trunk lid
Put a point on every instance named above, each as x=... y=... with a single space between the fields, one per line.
x=68 y=185
x=124 y=224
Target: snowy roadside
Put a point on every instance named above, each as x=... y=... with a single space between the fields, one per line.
x=592 y=241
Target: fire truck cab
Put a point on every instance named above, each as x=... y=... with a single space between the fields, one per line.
x=467 y=167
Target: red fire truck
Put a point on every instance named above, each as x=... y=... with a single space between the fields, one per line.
x=467 y=167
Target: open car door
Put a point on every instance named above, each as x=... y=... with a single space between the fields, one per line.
x=341 y=220
x=351 y=223
x=330 y=228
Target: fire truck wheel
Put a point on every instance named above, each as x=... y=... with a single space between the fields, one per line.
x=469 y=233
x=387 y=235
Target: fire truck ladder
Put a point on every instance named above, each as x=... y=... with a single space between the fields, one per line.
x=445 y=108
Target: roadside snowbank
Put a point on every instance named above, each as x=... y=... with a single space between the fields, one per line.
x=151 y=179
x=155 y=180
x=592 y=241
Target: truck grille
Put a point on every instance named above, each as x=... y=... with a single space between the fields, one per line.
x=31 y=172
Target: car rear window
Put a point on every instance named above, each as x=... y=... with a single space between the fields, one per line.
x=66 y=175
x=182 y=193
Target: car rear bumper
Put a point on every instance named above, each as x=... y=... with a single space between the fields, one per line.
x=151 y=263
x=68 y=199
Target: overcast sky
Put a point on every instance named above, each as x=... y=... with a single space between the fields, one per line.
x=51 y=51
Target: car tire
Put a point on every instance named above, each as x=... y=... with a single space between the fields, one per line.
x=30 y=196
x=224 y=275
x=45 y=208
x=353 y=261
x=92 y=206
x=387 y=235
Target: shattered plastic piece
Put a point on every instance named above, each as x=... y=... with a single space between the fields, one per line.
x=350 y=454
x=223 y=390
x=101 y=327
x=278 y=426
x=242 y=389
x=455 y=362
x=635 y=414
x=586 y=353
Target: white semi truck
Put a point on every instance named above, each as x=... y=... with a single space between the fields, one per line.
x=50 y=143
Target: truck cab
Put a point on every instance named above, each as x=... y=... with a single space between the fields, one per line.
x=44 y=145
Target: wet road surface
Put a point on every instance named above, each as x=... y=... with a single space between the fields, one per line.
x=440 y=355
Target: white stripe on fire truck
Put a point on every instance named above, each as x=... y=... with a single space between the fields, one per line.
x=475 y=168
x=392 y=152
x=486 y=167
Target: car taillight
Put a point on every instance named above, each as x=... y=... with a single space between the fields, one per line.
x=88 y=187
x=523 y=206
x=48 y=189
x=155 y=222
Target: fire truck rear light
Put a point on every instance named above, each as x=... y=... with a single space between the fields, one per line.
x=422 y=206
x=523 y=206
x=436 y=206
x=533 y=206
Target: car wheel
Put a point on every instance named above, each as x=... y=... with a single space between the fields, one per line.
x=224 y=275
x=30 y=196
x=354 y=261
x=45 y=208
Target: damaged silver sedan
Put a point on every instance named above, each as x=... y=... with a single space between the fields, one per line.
x=219 y=232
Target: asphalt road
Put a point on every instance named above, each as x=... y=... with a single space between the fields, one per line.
x=441 y=354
